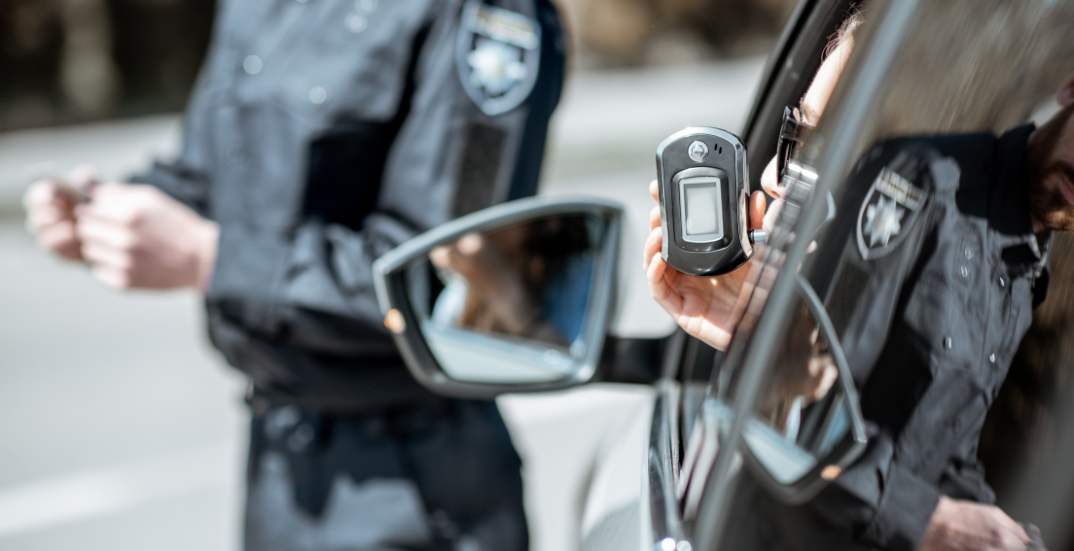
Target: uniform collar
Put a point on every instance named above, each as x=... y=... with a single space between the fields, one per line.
x=1024 y=255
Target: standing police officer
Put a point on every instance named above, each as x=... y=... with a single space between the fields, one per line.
x=323 y=133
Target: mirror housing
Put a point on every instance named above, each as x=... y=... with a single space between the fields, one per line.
x=464 y=361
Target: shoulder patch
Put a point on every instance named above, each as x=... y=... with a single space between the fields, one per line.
x=497 y=54
x=889 y=212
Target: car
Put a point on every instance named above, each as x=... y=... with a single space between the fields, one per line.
x=519 y=297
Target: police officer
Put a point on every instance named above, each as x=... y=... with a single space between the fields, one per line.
x=321 y=134
x=931 y=343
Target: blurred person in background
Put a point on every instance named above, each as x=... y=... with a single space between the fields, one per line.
x=321 y=135
x=983 y=199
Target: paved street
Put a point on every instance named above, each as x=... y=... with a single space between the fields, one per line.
x=120 y=427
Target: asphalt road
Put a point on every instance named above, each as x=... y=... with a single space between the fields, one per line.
x=120 y=427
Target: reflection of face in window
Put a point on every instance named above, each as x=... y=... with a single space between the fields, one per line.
x=1050 y=162
x=814 y=102
x=803 y=374
x=516 y=280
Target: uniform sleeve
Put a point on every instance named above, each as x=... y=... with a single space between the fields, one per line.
x=186 y=179
x=447 y=158
x=883 y=503
x=880 y=498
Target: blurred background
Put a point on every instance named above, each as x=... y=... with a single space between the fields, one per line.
x=120 y=427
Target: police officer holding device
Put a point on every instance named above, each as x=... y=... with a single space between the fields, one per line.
x=322 y=134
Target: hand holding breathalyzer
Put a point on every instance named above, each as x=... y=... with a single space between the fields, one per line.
x=719 y=241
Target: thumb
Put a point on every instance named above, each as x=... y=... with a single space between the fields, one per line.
x=756 y=209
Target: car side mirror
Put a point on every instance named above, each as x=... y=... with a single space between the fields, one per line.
x=513 y=298
x=808 y=425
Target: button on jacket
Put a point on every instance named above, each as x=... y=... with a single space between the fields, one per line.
x=930 y=312
x=323 y=133
x=930 y=328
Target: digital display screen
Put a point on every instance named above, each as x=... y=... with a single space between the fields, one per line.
x=702 y=209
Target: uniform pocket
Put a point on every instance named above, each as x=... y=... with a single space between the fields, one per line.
x=945 y=423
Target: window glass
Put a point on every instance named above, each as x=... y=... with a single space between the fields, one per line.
x=867 y=224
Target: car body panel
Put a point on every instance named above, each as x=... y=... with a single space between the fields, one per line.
x=615 y=514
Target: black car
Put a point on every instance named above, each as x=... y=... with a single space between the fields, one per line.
x=519 y=297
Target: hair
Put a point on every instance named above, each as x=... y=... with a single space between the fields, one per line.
x=845 y=33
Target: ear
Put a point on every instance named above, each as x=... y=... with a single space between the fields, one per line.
x=1066 y=92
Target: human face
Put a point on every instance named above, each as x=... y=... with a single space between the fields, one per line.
x=1050 y=163
x=812 y=108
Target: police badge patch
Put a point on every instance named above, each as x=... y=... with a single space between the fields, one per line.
x=497 y=53
x=889 y=211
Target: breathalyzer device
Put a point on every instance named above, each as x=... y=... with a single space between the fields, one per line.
x=704 y=184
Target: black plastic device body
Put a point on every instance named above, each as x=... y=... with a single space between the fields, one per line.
x=703 y=180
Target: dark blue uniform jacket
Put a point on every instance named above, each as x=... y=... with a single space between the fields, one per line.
x=930 y=329
x=321 y=134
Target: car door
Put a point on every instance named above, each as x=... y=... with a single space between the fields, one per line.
x=689 y=471
x=661 y=514
x=888 y=90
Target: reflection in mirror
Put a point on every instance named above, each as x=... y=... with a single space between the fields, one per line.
x=509 y=305
x=804 y=410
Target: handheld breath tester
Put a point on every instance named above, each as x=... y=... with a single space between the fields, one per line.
x=704 y=184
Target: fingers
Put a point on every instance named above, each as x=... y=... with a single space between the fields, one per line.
x=440 y=256
x=770 y=180
x=41 y=192
x=103 y=256
x=654 y=191
x=756 y=210
x=827 y=381
x=661 y=292
x=470 y=244
x=41 y=217
x=112 y=277
x=83 y=178
x=45 y=205
x=654 y=218
x=61 y=239
x=769 y=221
x=49 y=215
x=117 y=204
x=653 y=245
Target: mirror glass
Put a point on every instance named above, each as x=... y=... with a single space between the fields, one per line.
x=511 y=304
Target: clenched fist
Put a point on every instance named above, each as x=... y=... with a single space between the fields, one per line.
x=135 y=236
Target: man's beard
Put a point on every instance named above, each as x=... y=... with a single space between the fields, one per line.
x=1046 y=202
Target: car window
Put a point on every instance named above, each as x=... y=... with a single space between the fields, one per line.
x=909 y=76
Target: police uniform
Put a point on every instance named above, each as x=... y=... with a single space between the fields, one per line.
x=321 y=134
x=935 y=289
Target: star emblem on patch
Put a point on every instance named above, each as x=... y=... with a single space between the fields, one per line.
x=882 y=221
x=891 y=207
x=496 y=67
x=497 y=55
